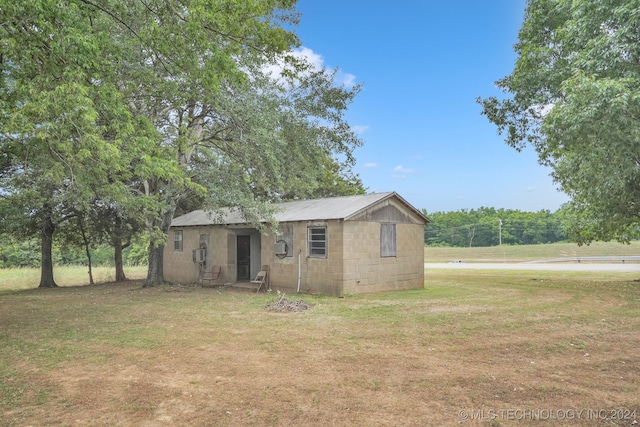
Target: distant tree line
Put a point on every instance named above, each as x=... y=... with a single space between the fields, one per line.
x=492 y=227
x=25 y=254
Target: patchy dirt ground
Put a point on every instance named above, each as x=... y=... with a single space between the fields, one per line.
x=120 y=355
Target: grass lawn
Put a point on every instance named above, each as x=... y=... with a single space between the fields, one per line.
x=523 y=253
x=29 y=278
x=472 y=348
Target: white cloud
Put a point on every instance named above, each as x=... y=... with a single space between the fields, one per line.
x=360 y=129
x=402 y=169
x=312 y=58
x=541 y=110
x=400 y=172
x=316 y=63
x=348 y=80
x=370 y=165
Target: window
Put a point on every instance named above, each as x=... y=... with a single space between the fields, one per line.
x=387 y=240
x=317 y=242
x=177 y=240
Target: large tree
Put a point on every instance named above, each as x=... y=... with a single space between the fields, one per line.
x=574 y=95
x=62 y=120
x=199 y=71
x=167 y=100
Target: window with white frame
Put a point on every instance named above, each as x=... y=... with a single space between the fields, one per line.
x=317 y=242
x=177 y=240
x=388 y=240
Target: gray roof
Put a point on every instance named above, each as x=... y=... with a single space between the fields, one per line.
x=302 y=210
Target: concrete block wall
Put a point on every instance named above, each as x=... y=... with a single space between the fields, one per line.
x=353 y=263
x=366 y=271
x=283 y=273
x=179 y=266
x=325 y=275
x=319 y=275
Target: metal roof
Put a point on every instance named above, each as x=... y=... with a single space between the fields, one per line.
x=302 y=210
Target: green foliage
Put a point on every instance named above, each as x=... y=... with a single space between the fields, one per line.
x=490 y=227
x=576 y=98
x=119 y=113
x=276 y=139
x=19 y=254
x=75 y=255
x=136 y=254
x=15 y=254
x=337 y=179
x=230 y=133
x=66 y=128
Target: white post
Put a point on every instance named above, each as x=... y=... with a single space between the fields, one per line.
x=299 y=255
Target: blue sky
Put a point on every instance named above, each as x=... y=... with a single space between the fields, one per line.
x=422 y=64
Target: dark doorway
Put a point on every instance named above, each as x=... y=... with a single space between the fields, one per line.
x=243 y=257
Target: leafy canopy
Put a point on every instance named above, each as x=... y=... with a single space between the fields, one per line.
x=575 y=97
x=139 y=106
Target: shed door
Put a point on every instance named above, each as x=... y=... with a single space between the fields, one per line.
x=243 y=257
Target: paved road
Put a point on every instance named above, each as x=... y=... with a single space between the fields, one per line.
x=536 y=266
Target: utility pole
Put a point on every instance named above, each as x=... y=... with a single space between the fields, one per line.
x=500 y=231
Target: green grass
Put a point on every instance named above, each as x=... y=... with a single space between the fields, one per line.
x=507 y=253
x=29 y=278
x=126 y=355
x=470 y=339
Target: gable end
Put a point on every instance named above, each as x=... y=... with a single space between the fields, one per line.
x=389 y=210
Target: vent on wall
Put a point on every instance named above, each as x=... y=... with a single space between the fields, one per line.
x=280 y=248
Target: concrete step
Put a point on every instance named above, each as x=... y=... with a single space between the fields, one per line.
x=245 y=286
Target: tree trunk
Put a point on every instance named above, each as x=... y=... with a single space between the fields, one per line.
x=120 y=276
x=86 y=248
x=155 y=274
x=47 y=229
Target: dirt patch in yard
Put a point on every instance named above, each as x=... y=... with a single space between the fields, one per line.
x=121 y=355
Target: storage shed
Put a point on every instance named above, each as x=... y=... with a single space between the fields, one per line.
x=351 y=244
